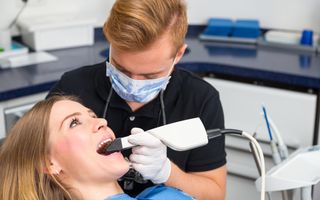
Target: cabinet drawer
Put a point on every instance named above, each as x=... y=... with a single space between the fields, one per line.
x=292 y=112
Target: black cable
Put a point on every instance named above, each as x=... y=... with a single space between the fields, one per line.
x=14 y=21
x=213 y=133
x=231 y=131
x=256 y=159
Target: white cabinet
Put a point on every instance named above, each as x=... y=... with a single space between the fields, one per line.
x=12 y=110
x=293 y=113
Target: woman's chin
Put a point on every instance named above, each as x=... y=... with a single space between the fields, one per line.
x=116 y=164
x=124 y=170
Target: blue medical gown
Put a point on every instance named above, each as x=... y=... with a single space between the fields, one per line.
x=158 y=192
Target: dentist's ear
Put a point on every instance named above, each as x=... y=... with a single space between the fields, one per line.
x=180 y=53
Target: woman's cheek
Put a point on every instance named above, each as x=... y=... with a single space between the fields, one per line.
x=62 y=146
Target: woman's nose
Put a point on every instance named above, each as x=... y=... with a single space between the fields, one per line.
x=100 y=123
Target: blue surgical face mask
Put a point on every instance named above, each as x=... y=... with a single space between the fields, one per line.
x=129 y=89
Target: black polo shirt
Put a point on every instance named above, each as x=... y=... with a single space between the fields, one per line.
x=186 y=96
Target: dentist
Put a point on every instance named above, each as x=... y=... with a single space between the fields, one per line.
x=138 y=86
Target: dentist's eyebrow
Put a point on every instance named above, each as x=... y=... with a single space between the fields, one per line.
x=68 y=116
x=124 y=70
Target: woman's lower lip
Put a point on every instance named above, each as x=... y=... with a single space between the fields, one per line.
x=111 y=154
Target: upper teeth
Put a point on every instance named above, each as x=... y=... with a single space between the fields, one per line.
x=103 y=142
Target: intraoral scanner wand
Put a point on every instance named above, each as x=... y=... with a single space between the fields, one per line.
x=179 y=136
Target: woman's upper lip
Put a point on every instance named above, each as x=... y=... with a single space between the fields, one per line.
x=106 y=137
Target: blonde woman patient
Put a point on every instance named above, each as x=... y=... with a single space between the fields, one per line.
x=51 y=153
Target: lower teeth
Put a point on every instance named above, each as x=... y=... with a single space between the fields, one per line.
x=103 y=148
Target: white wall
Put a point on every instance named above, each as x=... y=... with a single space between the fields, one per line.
x=7 y=13
x=281 y=14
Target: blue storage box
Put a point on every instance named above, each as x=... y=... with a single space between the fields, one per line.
x=219 y=27
x=246 y=29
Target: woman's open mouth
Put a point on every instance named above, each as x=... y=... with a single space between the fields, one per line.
x=102 y=147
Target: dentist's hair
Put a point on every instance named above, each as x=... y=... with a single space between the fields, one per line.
x=134 y=25
x=24 y=157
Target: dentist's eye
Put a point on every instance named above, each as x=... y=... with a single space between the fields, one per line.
x=74 y=122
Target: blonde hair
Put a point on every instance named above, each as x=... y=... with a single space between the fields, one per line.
x=134 y=25
x=24 y=157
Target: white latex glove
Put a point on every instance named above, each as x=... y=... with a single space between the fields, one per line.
x=150 y=157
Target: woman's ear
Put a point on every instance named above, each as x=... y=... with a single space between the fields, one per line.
x=53 y=169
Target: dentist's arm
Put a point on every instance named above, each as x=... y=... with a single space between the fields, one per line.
x=150 y=159
x=209 y=185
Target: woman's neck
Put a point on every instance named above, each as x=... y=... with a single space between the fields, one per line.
x=98 y=192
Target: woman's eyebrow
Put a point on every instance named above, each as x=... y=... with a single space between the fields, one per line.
x=68 y=116
x=91 y=112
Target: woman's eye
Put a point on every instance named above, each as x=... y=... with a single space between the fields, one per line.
x=74 y=122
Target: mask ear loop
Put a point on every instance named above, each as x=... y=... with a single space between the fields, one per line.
x=110 y=53
x=164 y=118
x=173 y=64
x=107 y=103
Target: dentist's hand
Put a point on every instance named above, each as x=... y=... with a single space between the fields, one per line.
x=150 y=157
